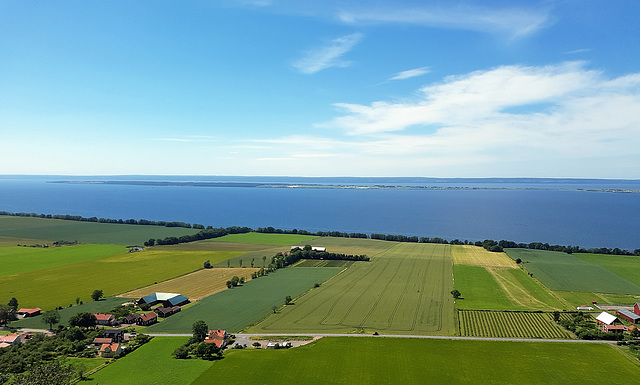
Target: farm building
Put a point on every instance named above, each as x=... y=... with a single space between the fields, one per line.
x=105 y=319
x=314 y=248
x=116 y=335
x=130 y=319
x=636 y=308
x=584 y=307
x=628 y=315
x=10 y=339
x=147 y=319
x=29 y=312
x=166 y=299
x=605 y=318
x=167 y=311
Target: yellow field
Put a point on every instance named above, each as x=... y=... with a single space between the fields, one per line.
x=477 y=256
x=196 y=285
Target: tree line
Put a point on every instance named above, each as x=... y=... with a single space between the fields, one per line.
x=281 y=260
x=210 y=232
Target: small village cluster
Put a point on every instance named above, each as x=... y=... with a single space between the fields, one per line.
x=611 y=324
x=110 y=344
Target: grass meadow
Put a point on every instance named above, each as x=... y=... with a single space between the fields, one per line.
x=17 y=260
x=152 y=363
x=196 y=285
x=236 y=308
x=404 y=289
x=567 y=272
x=368 y=360
x=85 y=232
x=493 y=281
x=626 y=266
x=61 y=285
x=266 y=239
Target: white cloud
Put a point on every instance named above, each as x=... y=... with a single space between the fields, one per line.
x=514 y=22
x=410 y=73
x=328 y=56
x=550 y=121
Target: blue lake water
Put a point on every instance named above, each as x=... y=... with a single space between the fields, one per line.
x=585 y=218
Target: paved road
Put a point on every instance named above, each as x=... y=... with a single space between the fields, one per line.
x=318 y=335
x=248 y=335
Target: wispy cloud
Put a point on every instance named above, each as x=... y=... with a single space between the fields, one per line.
x=410 y=73
x=577 y=51
x=515 y=22
x=327 y=56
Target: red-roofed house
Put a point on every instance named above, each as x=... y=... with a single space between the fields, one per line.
x=10 y=339
x=102 y=341
x=147 y=319
x=219 y=337
x=105 y=319
x=110 y=350
x=29 y=312
x=612 y=328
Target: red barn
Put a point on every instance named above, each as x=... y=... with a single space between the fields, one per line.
x=636 y=308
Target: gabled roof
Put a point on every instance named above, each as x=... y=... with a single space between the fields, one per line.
x=629 y=314
x=4 y=344
x=113 y=332
x=102 y=340
x=148 y=316
x=112 y=347
x=11 y=338
x=103 y=317
x=606 y=318
x=172 y=298
x=29 y=311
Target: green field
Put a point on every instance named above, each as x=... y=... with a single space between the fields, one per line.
x=577 y=298
x=516 y=290
x=152 y=363
x=266 y=239
x=61 y=285
x=237 y=308
x=85 y=232
x=509 y=325
x=102 y=306
x=323 y=263
x=404 y=289
x=16 y=260
x=367 y=360
x=567 y=272
x=626 y=266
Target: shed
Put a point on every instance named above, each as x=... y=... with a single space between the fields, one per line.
x=24 y=312
x=605 y=318
x=628 y=315
x=584 y=307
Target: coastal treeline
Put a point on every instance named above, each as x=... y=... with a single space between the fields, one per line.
x=210 y=232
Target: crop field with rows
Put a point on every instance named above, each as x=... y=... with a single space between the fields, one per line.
x=510 y=324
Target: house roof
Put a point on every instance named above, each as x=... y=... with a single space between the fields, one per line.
x=217 y=333
x=29 y=311
x=103 y=317
x=9 y=339
x=111 y=347
x=148 y=316
x=614 y=327
x=4 y=344
x=606 y=318
x=172 y=298
x=113 y=332
x=102 y=340
x=629 y=314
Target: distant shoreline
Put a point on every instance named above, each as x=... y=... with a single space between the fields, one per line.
x=334 y=186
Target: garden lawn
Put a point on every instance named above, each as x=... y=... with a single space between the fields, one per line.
x=236 y=308
x=152 y=363
x=85 y=232
x=61 y=285
x=267 y=239
x=373 y=360
x=102 y=306
x=16 y=260
x=566 y=272
x=404 y=289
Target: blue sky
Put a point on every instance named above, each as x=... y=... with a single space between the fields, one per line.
x=321 y=88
